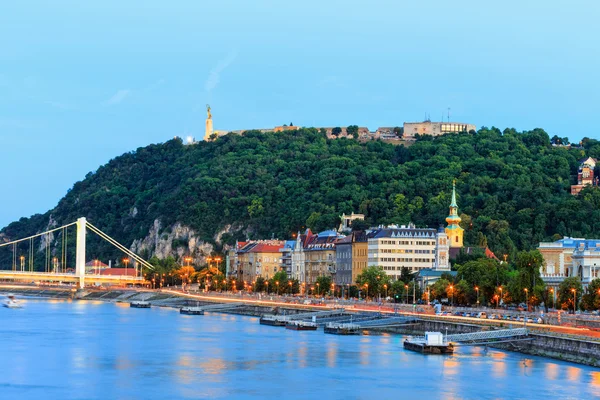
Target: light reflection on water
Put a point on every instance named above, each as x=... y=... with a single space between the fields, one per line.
x=67 y=350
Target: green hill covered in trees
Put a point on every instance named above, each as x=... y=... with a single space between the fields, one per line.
x=513 y=188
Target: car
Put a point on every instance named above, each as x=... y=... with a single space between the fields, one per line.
x=481 y=315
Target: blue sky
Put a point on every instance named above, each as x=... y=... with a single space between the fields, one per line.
x=82 y=82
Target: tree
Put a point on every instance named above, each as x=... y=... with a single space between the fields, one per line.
x=569 y=290
x=336 y=131
x=322 y=285
x=591 y=299
x=372 y=280
x=279 y=281
x=259 y=284
x=398 y=131
x=185 y=273
x=352 y=130
x=406 y=275
x=439 y=289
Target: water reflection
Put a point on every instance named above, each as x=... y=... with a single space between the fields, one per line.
x=110 y=351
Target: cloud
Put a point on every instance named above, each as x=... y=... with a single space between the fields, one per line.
x=118 y=97
x=215 y=74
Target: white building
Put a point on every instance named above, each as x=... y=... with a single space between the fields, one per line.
x=394 y=247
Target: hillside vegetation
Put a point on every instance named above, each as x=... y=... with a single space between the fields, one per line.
x=513 y=188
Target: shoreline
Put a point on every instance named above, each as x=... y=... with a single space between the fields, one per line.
x=578 y=349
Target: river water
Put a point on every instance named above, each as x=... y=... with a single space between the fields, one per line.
x=94 y=350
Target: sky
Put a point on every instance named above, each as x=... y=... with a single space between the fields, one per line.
x=82 y=82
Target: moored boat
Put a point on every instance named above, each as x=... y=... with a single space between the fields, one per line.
x=139 y=304
x=301 y=326
x=432 y=343
x=191 y=311
x=271 y=321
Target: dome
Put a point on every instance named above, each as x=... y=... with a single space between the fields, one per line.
x=327 y=233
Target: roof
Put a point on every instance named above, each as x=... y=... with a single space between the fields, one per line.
x=571 y=243
x=455 y=251
x=434 y=272
x=118 y=271
x=96 y=263
x=403 y=233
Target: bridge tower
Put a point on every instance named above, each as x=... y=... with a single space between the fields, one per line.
x=80 y=252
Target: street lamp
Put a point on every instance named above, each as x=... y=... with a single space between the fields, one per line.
x=553 y=298
x=318 y=289
x=126 y=262
x=501 y=297
x=406 y=290
x=188 y=260
x=477 y=290
x=233 y=287
x=452 y=291
x=574 y=299
x=277 y=283
x=22 y=259
x=367 y=292
x=385 y=287
x=333 y=289
x=497 y=299
x=290 y=285
x=527 y=298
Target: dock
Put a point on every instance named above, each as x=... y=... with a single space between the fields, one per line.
x=358 y=324
x=432 y=343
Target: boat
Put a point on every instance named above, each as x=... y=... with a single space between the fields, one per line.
x=12 y=302
x=342 y=329
x=139 y=304
x=432 y=343
x=271 y=320
x=191 y=311
x=301 y=326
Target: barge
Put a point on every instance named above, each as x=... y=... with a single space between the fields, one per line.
x=342 y=329
x=301 y=326
x=432 y=343
x=191 y=311
x=139 y=304
x=271 y=321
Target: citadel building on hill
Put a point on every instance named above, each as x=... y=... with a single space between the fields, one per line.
x=408 y=132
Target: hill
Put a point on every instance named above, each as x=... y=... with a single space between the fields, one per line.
x=175 y=199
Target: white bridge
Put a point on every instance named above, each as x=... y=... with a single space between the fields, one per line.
x=22 y=272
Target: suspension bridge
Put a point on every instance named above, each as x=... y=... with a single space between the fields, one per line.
x=58 y=270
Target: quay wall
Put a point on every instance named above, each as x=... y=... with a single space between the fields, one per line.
x=563 y=348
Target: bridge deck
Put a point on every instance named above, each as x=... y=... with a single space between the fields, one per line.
x=66 y=277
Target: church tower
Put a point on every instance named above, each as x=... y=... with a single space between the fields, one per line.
x=453 y=230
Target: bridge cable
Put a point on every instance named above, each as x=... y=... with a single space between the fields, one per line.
x=120 y=246
x=36 y=235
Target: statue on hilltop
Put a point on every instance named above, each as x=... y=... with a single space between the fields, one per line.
x=208 y=111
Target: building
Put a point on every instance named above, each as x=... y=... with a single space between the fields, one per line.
x=360 y=254
x=286 y=256
x=585 y=175
x=95 y=267
x=412 y=129
x=394 y=248
x=454 y=231
x=320 y=257
x=570 y=257
x=346 y=221
x=259 y=259
x=343 y=261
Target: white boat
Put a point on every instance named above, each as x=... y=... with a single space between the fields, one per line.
x=12 y=302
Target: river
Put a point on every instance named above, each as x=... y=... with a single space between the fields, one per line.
x=54 y=349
